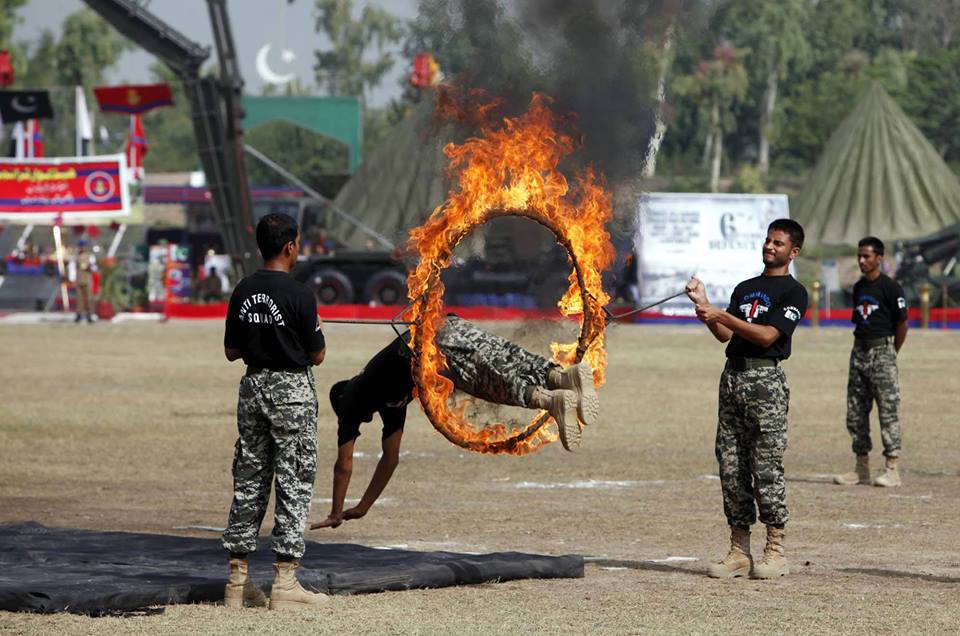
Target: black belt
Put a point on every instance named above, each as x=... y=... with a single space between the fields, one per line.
x=870 y=343
x=254 y=370
x=743 y=364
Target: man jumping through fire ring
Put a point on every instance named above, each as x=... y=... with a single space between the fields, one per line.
x=481 y=364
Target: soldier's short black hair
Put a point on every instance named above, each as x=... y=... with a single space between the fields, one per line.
x=273 y=232
x=874 y=242
x=791 y=227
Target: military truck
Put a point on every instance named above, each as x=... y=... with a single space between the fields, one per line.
x=930 y=259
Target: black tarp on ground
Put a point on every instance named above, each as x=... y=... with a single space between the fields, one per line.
x=65 y=569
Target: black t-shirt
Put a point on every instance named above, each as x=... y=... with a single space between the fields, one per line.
x=779 y=301
x=272 y=320
x=384 y=386
x=878 y=307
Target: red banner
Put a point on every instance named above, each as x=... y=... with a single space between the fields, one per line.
x=134 y=99
x=42 y=189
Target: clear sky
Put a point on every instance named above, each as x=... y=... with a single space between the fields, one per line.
x=254 y=24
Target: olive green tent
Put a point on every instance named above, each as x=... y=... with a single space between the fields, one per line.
x=400 y=183
x=879 y=176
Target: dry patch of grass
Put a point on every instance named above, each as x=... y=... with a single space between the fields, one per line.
x=131 y=427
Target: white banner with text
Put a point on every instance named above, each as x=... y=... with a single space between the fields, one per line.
x=717 y=237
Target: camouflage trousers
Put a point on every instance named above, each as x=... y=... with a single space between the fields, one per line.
x=277 y=421
x=751 y=440
x=873 y=378
x=489 y=367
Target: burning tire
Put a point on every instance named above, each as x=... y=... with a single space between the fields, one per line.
x=332 y=287
x=511 y=171
x=386 y=288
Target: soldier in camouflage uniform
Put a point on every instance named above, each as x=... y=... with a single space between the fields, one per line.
x=754 y=400
x=480 y=364
x=880 y=316
x=272 y=325
x=493 y=368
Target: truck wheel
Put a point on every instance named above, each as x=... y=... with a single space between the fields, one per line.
x=331 y=287
x=386 y=288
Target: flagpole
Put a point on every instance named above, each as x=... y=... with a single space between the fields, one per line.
x=76 y=120
x=20 y=145
x=117 y=238
x=133 y=149
x=60 y=263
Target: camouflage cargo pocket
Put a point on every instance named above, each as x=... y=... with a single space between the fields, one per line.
x=307 y=457
x=766 y=401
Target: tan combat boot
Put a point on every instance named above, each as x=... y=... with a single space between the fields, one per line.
x=890 y=477
x=240 y=588
x=773 y=563
x=561 y=404
x=287 y=593
x=579 y=379
x=859 y=475
x=738 y=561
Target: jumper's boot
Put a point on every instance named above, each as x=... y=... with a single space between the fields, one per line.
x=240 y=588
x=579 y=379
x=287 y=593
x=738 y=561
x=859 y=475
x=773 y=563
x=561 y=404
x=890 y=477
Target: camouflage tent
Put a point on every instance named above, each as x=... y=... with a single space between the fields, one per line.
x=400 y=183
x=878 y=175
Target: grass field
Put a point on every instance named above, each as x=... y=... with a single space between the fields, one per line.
x=131 y=427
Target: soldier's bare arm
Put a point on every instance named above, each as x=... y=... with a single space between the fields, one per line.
x=900 y=335
x=727 y=324
x=381 y=476
x=707 y=314
x=342 y=471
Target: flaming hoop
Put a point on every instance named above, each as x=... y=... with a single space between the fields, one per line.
x=511 y=171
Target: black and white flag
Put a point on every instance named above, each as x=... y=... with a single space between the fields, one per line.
x=23 y=105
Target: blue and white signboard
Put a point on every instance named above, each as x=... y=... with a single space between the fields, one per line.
x=717 y=237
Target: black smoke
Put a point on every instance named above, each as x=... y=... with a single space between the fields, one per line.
x=592 y=56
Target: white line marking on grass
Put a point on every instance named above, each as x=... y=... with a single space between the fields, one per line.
x=417 y=454
x=586 y=484
x=710 y=477
x=911 y=496
x=611 y=568
x=870 y=526
x=196 y=527
x=124 y=316
x=673 y=559
x=398 y=546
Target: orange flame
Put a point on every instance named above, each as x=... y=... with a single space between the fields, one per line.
x=510 y=170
